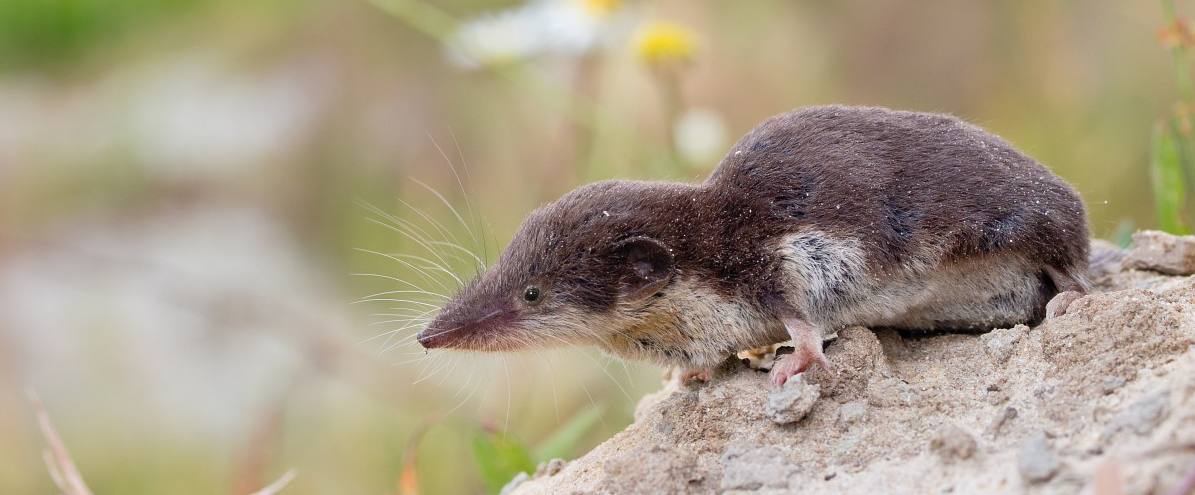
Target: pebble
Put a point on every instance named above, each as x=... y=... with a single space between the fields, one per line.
x=852 y=411
x=752 y=468
x=1002 y=342
x=1036 y=462
x=549 y=468
x=951 y=442
x=792 y=401
x=1142 y=417
x=1004 y=416
x=514 y=483
x=1110 y=383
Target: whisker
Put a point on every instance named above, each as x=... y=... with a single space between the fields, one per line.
x=387 y=322
x=387 y=277
x=506 y=368
x=468 y=379
x=468 y=202
x=450 y=239
x=470 y=395
x=427 y=244
x=419 y=303
x=451 y=208
x=604 y=370
x=552 y=377
x=418 y=270
x=416 y=233
x=421 y=357
x=430 y=265
x=425 y=376
x=405 y=340
x=372 y=297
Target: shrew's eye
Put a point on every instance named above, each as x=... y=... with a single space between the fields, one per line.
x=532 y=295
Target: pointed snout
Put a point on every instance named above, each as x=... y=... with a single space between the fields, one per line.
x=427 y=338
x=436 y=332
x=466 y=331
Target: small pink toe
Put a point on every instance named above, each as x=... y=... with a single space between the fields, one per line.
x=793 y=364
x=689 y=374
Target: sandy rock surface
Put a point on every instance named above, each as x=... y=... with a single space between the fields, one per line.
x=1162 y=252
x=1101 y=400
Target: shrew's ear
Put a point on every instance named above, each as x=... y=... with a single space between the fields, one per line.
x=647 y=267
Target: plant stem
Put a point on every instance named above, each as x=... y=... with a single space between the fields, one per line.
x=1182 y=74
x=673 y=103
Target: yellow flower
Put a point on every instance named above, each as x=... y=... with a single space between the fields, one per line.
x=662 y=43
x=601 y=8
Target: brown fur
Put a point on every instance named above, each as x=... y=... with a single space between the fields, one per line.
x=917 y=200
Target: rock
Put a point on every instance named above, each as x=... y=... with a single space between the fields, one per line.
x=654 y=469
x=1035 y=461
x=1122 y=361
x=999 y=420
x=1113 y=334
x=1105 y=261
x=853 y=356
x=852 y=411
x=1111 y=383
x=1002 y=342
x=1161 y=252
x=892 y=392
x=1142 y=417
x=755 y=467
x=951 y=443
x=514 y=483
x=549 y=468
x=792 y=401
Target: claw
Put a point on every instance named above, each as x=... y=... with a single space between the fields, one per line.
x=799 y=361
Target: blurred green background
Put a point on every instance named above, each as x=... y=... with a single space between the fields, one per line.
x=182 y=181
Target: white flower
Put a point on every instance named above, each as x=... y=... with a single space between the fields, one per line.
x=539 y=27
x=700 y=135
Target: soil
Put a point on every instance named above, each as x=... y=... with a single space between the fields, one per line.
x=1100 y=400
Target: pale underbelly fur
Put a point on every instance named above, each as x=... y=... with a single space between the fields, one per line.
x=832 y=286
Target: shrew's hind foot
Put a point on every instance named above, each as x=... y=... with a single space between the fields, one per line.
x=1059 y=304
x=807 y=343
x=1069 y=290
x=690 y=374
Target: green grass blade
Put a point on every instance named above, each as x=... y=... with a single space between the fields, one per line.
x=499 y=459
x=1167 y=172
x=564 y=440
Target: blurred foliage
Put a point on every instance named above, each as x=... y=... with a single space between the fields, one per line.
x=1173 y=159
x=43 y=34
x=1169 y=166
x=500 y=457
x=564 y=441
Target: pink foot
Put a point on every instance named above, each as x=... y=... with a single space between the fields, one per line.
x=807 y=341
x=689 y=374
x=1058 y=305
x=1069 y=290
